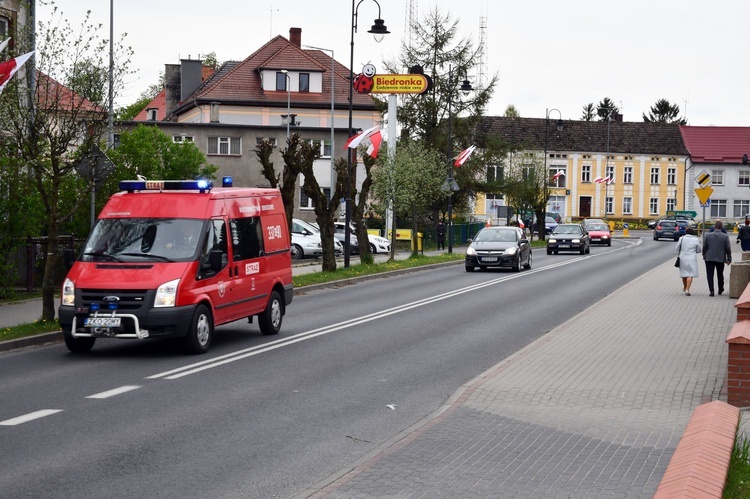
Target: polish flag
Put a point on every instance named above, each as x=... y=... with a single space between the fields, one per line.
x=560 y=173
x=4 y=44
x=609 y=180
x=521 y=224
x=375 y=140
x=9 y=68
x=600 y=180
x=461 y=158
x=355 y=140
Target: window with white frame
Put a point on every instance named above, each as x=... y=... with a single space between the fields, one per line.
x=718 y=208
x=672 y=176
x=671 y=204
x=495 y=173
x=306 y=203
x=182 y=139
x=717 y=177
x=627 y=175
x=741 y=208
x=152 y=113
x=324 y=146
x=653 y=206
x=259 y=141
x=225 y=146
x=557 y=176
x=627 y=206
x=609 y=171
x=609 y=205
x=743 y=178
x=654 y=175
x=586 y=174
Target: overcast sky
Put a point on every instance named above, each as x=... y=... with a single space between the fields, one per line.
x=547 y=54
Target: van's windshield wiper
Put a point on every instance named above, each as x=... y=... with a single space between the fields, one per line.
x=149 y=255
x=105 y=256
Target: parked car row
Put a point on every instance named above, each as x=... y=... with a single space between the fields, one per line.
x=306 y=240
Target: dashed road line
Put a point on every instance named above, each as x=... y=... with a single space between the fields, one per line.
x=113 y=392
x=29 y=417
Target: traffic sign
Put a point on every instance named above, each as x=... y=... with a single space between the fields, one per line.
x=683 y=213
x=703 y=194
x=703 y=179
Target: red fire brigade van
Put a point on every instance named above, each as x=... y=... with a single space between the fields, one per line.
x=174 y=258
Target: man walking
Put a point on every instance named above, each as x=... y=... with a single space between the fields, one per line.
x=716 y=252
x=440 y=235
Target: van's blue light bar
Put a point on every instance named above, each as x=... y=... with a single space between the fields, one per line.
x=201 y=185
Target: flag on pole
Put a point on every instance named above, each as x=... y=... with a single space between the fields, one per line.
x=560 y=173
x=4 y=44
x=356 y=139
x=521 y=224
x=609 y=180
x=461 y=158
x=9 y=68
x=375 y=140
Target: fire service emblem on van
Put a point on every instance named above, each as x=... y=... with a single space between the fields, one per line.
x=221 y=289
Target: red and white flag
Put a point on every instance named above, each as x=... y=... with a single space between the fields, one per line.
x=9 y=68
x=461 y=158
x=604 y=180
x=355 y=140
x=560 y=173
x=4 y=44
x=375 y=140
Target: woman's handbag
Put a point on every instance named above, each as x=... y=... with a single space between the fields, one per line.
x=677 y=262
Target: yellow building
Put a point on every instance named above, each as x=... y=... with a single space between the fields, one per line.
x=616 y=170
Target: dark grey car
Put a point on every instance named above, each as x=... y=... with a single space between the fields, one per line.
x=499 y=247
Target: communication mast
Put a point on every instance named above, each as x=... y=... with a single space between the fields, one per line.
x=482 y=52
x=412 y=15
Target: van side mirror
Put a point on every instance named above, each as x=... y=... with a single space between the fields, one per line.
x=69 y=255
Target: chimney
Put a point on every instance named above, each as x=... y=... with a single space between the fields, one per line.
x=295 y=36
x=173 y=86
x=191 y=76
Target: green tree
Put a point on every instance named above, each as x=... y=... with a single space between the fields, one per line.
x=411 y=180
x=448 y=61
x=60 y=126
x=129 y=112
x=606 y=108
x=588 y=112
x=664 y=112
x=511 y=112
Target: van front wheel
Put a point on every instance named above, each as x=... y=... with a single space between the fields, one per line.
x=201 y=331
x=270 y=319
x=78 y=345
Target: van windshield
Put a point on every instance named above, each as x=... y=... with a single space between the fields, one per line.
x=143 y=239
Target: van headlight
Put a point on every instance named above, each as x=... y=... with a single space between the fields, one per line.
x=166 y=294
x=68 y=293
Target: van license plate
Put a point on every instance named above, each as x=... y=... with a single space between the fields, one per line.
x=102 y=322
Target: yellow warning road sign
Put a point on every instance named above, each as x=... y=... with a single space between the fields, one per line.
x=704 y=193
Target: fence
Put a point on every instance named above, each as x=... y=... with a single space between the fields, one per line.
x=27 y=259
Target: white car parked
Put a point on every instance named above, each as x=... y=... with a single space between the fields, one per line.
x=377 y=244
x=306 y=241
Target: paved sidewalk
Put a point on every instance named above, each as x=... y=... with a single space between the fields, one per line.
x=595 y=408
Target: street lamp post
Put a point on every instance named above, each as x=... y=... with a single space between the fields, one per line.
x=606 y=165
x=560 y=127
x=288 y=101
x=378 y=30
x=450 y=184
x=333 y=70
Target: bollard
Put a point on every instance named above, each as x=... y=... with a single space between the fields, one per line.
x=625 y=231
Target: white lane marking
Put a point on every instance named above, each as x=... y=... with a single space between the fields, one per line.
x=29 y=417
x=252 y=351
x=113 y=392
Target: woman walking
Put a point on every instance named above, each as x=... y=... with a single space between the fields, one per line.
x=689 y=248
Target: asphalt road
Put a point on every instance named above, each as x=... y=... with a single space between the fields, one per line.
x=268 y=417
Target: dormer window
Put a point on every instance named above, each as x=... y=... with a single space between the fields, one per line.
x=151 y=113
x=281 y=81
x=304 y=82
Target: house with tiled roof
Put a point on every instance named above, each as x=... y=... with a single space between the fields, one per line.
x=280 y=88
x=718 y=151
x=647 y=163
